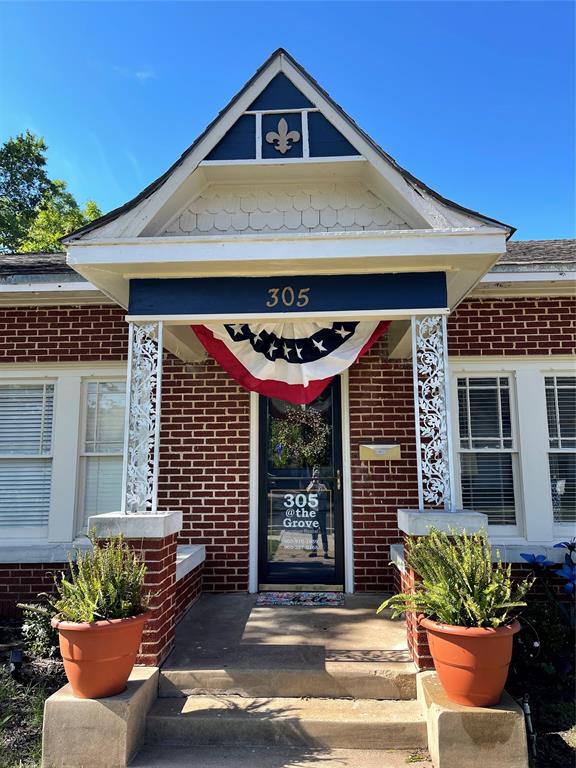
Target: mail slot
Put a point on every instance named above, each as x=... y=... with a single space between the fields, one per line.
x=379 y=451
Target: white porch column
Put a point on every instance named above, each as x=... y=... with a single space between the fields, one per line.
x=142 y=424
x=432 y=412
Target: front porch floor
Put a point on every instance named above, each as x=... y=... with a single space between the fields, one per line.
x=228 y=629
x=227 y=643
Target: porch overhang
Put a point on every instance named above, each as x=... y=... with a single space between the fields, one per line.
x=463 y=255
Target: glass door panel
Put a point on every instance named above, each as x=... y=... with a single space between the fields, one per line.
x=301 y=492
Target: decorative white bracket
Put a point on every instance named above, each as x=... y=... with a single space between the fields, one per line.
x=432 y=412
x=142 y=422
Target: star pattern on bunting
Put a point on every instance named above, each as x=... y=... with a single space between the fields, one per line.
x=302 y=350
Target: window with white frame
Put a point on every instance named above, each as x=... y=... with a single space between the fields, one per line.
x=54 y=424
x=101 y=448
x=487 y=450
x=561 y=414
x=26 y=425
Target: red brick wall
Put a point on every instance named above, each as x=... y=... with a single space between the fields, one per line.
x=188 y=590
x=205 y=425
x=22 y=582
x=204 y=467
x=513 y=326
x=416 y=635
x=62 y=334
x=160 y=583
x=381 y=410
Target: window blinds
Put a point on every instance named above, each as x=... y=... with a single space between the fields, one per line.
x=103 y=448
x=486 y=448
x=561 y=412
x=26 y=418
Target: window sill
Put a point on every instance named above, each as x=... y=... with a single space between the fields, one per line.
x=41 y=552
x=510 y=553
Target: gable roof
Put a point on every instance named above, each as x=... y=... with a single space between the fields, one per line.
x=416 y=184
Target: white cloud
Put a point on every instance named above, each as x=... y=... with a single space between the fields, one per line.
x=141 y=75
x=145 y=74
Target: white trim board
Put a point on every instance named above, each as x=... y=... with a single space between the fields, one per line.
x=52 y=287
x=348 y=521
x=271 y=317
x=528 y=277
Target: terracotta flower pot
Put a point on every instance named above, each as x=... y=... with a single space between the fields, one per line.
x=471 y=662
x=99 y=657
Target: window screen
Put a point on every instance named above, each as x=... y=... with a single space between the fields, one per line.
x=26 y=419
x=486 y=448
x=102 y=448
x=561 y=412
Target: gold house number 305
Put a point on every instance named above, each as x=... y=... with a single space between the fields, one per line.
x=288 y=297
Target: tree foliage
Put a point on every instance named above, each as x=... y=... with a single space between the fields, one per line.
x=58 y=214
x=35 y=212
x=23 y=185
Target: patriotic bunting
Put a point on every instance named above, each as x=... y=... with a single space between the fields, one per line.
x=288 y=360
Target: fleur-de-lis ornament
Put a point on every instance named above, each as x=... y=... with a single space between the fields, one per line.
x=284 y=139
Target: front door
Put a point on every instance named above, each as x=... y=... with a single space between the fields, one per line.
x=300 y=522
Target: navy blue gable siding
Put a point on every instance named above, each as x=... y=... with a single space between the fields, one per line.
x=280 y=93
x=325 y=140
x=302 y=293
x=239 y=143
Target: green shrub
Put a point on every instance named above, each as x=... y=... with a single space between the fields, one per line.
x=105 y=583
x=460 y=585
x=39 y=637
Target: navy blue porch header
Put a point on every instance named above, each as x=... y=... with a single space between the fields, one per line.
x=301 y=294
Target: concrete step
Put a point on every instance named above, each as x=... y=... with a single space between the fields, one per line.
x=319 y=723
x=359 y=679
x=275 y=757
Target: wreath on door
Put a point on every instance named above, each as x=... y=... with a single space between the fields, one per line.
x=300 y=437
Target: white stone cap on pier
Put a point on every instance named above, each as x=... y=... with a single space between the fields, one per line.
x=417 y=522
x=140 y=526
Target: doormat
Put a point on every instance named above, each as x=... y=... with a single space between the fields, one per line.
x=265 y=599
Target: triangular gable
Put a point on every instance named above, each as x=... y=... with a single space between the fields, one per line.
x=280 y=93
x=250 y=129
x=281 y=122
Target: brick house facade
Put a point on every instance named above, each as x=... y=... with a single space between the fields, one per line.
x=193 y=436
x=64 y=341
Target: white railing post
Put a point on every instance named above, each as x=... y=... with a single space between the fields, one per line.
x=142 y=420
x=432 y=412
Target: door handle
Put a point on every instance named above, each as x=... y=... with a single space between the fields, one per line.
x=338 y=481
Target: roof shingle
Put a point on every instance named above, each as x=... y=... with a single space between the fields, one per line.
x=539 y=252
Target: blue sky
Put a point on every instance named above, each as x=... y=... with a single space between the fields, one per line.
x=474 y=98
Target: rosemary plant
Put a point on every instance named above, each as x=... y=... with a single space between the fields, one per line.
x=460 y=585
x=105 y=583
